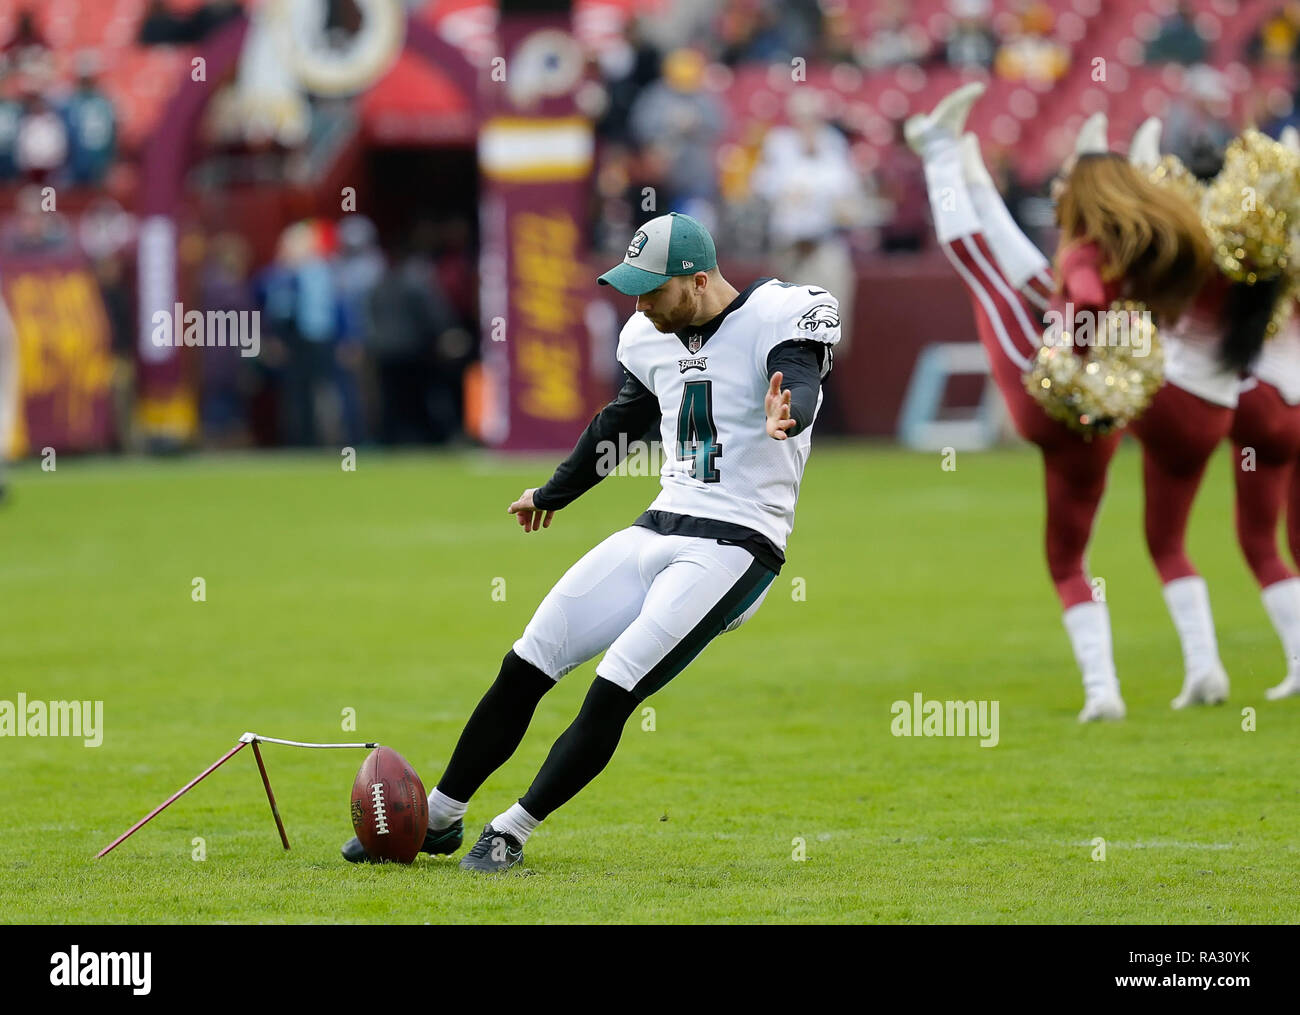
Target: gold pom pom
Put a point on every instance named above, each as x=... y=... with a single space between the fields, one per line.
x=1109 y=386
x=1252 y=207
x=1171 y=174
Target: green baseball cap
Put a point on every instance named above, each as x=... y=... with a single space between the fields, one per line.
x=672 y=244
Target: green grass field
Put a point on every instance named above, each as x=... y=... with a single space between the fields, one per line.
x=373 y=591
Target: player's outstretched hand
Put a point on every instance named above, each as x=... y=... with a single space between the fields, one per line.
x=531 y=518
x=777 y=404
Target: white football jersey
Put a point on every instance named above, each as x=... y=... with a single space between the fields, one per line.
x=719 y=462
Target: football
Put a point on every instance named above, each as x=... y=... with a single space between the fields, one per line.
x=390 y=811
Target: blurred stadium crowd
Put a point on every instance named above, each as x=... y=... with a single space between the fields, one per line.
x=775 y=122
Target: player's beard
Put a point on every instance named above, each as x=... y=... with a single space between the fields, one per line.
x=678 y=318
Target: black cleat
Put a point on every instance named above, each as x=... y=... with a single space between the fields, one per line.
x=445 y=841
x=494 y=852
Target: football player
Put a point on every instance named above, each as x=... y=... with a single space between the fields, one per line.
x=732 y=378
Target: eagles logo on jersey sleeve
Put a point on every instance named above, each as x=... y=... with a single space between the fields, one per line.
x=801 y=313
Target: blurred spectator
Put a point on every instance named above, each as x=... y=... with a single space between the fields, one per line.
x=26 y=51
x=745 y=29
x=11 y=114
x=408 y=316
x=627 y=70
x=42 y=146
x=1029 y=53
x=802 y=23
x=743 y=221
x=1271 y=123
x=33 y=229
x=161 y=26
x=274 y=292
x=302 y=313
x=211 y=16
x=839 y=35
x=813 y=195
x=615 y=199
x=893 y=41
x=119 y=307
x=1032 y=58
x=358 y=266
x=669 y=25
x=224 y=381
x=1178 y=41
x=764 y=31
x=1197 y=120
x=312 y=376
x=1277 y=41
x=456 y=272
x=92 y=128
x=901 y=181
x=457 y=268
x=1034 y=17
x=452 y=346
x=114 y=287
x=1019 y=199
x=679 y=123
x=105 y=228
x=972 y=42
x=1205 y=158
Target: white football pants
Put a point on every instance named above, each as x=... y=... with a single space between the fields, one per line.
x=654 y=601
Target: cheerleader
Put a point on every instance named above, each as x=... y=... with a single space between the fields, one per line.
x=1266 y=446
x=1206 y=354
x=1122 y=237
x=1266 y=442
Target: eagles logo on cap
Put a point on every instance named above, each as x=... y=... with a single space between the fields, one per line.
x=672 y=244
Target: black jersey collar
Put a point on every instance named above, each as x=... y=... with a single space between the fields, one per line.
x=698 y=334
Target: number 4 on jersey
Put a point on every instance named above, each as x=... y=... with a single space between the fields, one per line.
x=697 y=436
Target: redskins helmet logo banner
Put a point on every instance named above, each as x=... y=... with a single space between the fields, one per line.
x=535 y=153
x=299 y=47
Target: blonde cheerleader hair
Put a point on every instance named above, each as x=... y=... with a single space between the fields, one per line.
x=1114 y=383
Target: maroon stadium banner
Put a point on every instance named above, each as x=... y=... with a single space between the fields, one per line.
x=535 y=156
x=167 y=407
x=65 y=363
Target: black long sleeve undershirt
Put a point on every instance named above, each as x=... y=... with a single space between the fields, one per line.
x=801 y=365
x=635 y=409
